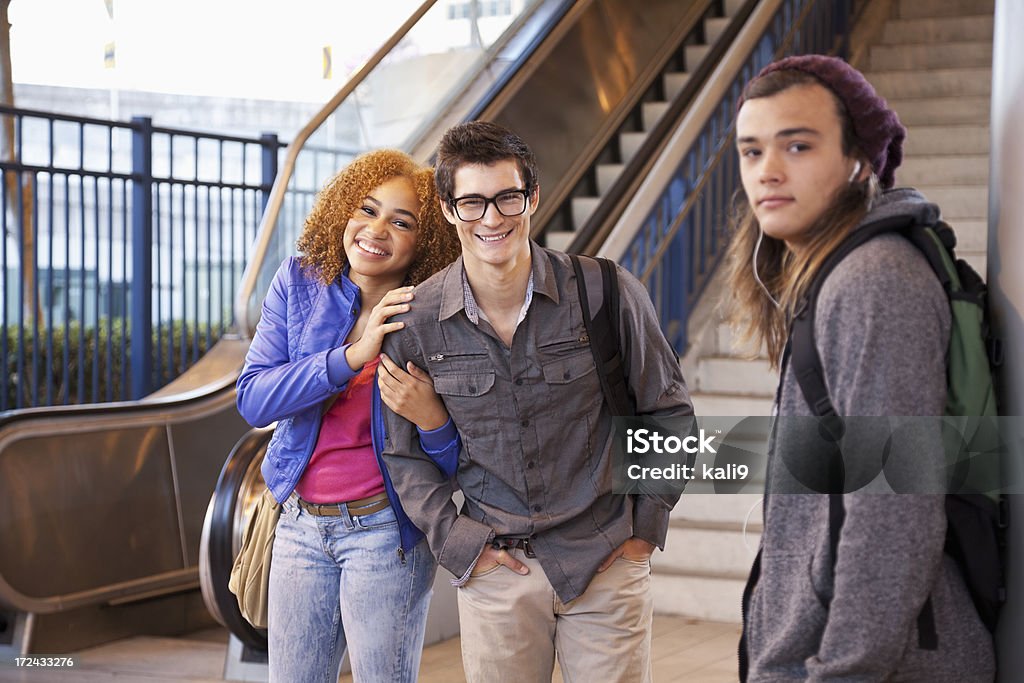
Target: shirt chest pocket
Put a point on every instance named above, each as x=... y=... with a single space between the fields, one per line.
x=568 y=369
x=464 y=384
x=566 y=360
x=471 y=399
x=572 y=383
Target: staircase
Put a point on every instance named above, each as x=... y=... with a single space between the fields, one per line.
x=933 y=64
x=629 y=141
x=932 y=60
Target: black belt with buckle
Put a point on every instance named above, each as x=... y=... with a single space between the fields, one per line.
x=513 y=542
x=356 y=508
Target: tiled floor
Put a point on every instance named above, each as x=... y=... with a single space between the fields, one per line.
x=683 y=649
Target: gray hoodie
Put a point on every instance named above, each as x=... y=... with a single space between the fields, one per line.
x=881 y=328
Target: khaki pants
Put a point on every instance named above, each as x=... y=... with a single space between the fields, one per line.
x=513 y=625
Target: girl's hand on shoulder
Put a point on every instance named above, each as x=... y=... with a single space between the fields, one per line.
x=410 y=393
x=361 y=352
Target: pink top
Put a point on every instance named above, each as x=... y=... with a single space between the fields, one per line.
x=343 y=466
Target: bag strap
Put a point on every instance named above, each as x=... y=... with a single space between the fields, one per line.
x=803 y=351
x=810 y=374
x=601 y=320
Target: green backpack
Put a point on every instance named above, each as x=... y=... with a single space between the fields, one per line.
x=977 y=514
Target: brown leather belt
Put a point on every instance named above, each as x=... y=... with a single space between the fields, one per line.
x=356 y=508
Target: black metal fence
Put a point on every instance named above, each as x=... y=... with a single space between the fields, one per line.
x=123 y=245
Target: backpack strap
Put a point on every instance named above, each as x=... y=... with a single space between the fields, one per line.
x=806 y=362
x=601 y=320
x=810 y=374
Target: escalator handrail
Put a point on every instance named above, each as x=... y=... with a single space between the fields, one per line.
x=24 y=423
x=687 y=133
x=227 y=351
x=220 y=529
x=515 y=67
x=551 y=18
x=556 y=195
x=284 y=175
x=590 y=236
x=491 y=105
x=174 y=581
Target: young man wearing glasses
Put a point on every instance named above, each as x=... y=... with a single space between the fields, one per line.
x=548 y=558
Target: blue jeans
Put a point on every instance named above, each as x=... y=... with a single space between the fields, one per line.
x=340 y=581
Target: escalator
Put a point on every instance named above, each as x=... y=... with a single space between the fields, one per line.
x=102 y=506
x=592 y=85
x=570 y=81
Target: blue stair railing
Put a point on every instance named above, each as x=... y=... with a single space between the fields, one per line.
x=674 y=232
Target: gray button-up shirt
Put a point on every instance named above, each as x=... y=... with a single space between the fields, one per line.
x=536 y=458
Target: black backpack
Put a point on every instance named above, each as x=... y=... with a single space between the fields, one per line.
x=602 y=328
x=976 y=521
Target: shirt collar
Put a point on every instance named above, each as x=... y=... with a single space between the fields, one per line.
x=473 y=311
x=454 y=288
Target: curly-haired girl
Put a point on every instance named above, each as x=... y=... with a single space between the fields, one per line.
x=349 y=568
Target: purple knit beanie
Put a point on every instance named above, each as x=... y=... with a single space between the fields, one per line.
x=876 y=127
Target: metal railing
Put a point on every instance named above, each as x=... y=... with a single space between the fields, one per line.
x=126 y=245
x=123 y=244
x=674 y=232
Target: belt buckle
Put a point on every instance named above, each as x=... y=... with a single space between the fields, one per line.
x=513 y=543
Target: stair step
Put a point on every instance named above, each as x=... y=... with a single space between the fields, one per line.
x=944 y=170
x=582 y=207
x=941 y=110
x=707 y=552
x=558 y=239
x=707 y=403
x=715 y=27
x=707 y=508
x=728 y=343
x=958 y=203
x=651 y=112
x=698 y=597
x=916 y=9
x=607 y=174
x=931 y=56
x=732 y=7
x=975 y=81
x=629 y=143
x=695 y=54
x=941 y=30
x=971 y=236
x=962 y=139
x=673 y=82
x=736 y=376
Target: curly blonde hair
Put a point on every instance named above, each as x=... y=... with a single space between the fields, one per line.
x=321 y=240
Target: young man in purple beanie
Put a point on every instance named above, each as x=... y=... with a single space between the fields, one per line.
x=868 y=595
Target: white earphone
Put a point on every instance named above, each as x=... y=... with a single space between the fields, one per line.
x=856 y=172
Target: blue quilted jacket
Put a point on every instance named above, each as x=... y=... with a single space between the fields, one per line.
x=285 y=380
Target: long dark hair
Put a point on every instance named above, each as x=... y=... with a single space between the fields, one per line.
x=787 y=274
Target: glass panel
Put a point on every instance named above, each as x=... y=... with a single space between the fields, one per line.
x=435 y=62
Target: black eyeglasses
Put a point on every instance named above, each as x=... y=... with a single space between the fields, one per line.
x=508 y=203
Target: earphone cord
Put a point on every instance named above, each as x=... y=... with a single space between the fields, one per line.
x=757 y=247
x=746 y=521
